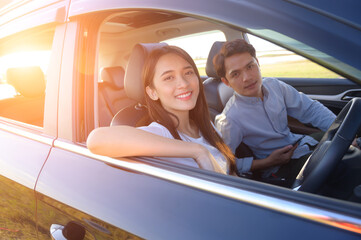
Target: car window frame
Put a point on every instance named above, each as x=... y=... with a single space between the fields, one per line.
x=153 y=167
x=52 y=75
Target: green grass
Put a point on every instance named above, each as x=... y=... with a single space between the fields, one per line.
x=202 y=71
x=296 y=69
x=275 y=55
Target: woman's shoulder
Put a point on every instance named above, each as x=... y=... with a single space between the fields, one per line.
x=157 y=128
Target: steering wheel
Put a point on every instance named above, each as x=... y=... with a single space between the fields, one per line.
x=331 y=149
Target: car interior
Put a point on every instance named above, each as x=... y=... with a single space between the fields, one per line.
x=135 y=115
x=130 y=28
x=25 y=74
x=112 y=96
x=28 y=105
x=127 y=38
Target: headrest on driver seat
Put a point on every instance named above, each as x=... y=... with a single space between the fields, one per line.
x=113 y=76
x=133 y=84
x=210 y=70
x=28 y=81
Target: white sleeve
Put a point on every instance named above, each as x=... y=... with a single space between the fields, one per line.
x=232 y=136
x=244 y=164
x=230 y=131
x=158 y=129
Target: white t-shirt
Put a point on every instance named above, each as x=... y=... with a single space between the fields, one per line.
x=160 y=130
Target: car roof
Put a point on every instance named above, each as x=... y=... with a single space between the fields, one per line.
x=328 y=33
x=325 y=33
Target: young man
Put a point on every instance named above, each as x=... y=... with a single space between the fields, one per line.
x=257 y=114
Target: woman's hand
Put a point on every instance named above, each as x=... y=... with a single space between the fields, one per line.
x=205 y=160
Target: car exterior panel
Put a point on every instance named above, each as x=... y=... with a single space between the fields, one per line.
x=145 y=204
x=22 y=157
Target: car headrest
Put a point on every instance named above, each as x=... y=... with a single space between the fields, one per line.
x=28 y=81
x=113 y=76
x=133 y=75
x=210 y=70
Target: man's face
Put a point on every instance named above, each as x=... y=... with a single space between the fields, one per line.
x=243 y=75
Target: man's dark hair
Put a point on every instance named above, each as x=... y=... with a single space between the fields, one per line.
x=229 y=49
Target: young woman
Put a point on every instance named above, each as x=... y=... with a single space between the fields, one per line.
x=181 y=126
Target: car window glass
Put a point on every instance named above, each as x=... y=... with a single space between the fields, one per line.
x=24 y=59
x=276 y=61
x=297 y=46
x=198 y=46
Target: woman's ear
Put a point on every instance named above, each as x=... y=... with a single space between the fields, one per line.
x=151 y=93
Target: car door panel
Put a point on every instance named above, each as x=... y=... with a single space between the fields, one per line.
x=60 y=216
x=74 y=188
x=22 y=156
x=321 y=86
x=333 y=93
x=143 y=204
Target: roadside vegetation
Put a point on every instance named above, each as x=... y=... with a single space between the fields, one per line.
x=299 y=69
x=296 y=69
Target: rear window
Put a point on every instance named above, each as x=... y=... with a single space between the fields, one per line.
x=24 y=60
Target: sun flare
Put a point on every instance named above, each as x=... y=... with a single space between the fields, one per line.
x=20 y=59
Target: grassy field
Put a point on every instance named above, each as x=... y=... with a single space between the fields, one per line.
x=297 y=69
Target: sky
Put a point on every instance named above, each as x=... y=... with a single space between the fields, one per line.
x=198 y=45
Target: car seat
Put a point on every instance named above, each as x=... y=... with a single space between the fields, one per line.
x=112 y=96
x=135 y=114
x=217 y=93
x=28 y=105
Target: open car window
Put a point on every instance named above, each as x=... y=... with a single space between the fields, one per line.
x=291 y=61
x=198 y=46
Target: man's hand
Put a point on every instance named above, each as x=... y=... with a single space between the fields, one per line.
x=357 y=142
x=281 y=156
x=277 y=157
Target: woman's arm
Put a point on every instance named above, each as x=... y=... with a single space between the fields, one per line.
x=126 y=141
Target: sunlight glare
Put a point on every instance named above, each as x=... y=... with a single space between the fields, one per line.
x=20 y=59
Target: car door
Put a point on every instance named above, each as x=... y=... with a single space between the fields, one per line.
x=28 y=47
x=334 y=93
x=131 y=198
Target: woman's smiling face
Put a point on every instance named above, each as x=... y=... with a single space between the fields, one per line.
x=175 y=84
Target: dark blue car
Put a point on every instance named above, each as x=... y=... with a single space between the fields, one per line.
x=62 y=70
